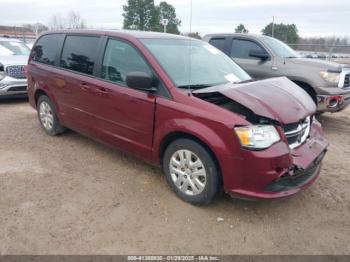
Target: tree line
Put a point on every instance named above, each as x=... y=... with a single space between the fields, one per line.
x=145 y=15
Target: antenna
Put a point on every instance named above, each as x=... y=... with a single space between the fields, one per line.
x=190 y=53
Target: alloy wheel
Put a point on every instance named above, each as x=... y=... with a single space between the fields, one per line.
x=188 y=172
x=46 y=115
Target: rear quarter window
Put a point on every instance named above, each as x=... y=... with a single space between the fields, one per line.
x=79 y=53
x=219 y=43
x=47 y=48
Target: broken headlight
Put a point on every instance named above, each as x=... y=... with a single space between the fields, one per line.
x=257 y=136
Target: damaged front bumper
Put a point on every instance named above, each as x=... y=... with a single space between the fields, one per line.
x=278 y=171
x=297 y=177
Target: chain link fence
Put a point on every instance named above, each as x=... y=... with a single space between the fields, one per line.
x=336 y=53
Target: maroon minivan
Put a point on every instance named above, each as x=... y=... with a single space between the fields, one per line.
x=181 y=104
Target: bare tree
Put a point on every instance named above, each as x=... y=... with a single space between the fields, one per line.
x=57 y=22
x=75 y=21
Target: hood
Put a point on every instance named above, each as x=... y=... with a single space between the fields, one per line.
x=14 y=59
x=276 y=98
x=322 y=64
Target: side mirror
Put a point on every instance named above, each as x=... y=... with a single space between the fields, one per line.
x=259 y=53
x=140 y=81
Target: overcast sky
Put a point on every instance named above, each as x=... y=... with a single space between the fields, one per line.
x=312 y=17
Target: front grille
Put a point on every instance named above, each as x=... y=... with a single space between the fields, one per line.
x=17 y=89
x=16 y=71
x=297 y=133
x=347 y=81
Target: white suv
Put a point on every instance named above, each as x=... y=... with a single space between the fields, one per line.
x=13 y=58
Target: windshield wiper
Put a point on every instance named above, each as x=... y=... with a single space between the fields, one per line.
x=244 y=81
x=199 y=86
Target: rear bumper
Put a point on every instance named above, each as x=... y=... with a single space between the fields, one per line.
x=13 y=87
x=278 y=171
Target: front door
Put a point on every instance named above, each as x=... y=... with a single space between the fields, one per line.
x=255 y=67
x=122 y=116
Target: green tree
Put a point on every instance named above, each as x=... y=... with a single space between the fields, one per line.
x=167 y=11
x=286 y=33
x=145 y=16
x=140 y=15
x=241 y=29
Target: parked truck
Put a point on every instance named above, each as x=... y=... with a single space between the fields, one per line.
x=327 y=83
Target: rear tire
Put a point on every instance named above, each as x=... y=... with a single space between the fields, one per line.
x=48 y=116
x=191 y=172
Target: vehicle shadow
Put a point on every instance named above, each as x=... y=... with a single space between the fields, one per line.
x=223 y=204
x=13 y=100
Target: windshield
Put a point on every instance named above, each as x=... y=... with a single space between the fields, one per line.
x=280 y=48
x=13 y=48
x=194 y=64
x=5 y=51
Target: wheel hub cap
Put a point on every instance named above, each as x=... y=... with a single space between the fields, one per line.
x=188 y=172
x=46 y=116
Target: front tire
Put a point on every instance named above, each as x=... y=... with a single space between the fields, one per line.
x=48 y=116
x=191 y=172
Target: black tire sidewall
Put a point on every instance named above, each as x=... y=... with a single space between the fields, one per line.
x=55 y=126
x=212 y=186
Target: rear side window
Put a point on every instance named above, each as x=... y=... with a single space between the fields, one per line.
x=46 y=49
x=120 y=59
x=79 y=53
x=241 y=48
x=219 y=43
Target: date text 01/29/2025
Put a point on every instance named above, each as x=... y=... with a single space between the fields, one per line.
x=173 y=258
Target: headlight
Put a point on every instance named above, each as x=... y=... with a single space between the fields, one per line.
x=2 y=75
x=331 y=77
x=257 y=137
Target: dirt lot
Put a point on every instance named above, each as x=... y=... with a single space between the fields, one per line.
x=71 y=195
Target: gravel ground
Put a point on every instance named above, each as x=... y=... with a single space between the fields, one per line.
x=71 y=195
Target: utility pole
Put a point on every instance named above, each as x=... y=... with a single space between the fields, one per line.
x=273 y=26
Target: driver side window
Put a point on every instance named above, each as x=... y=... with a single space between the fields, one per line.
x=242 y=48
x=120 y=59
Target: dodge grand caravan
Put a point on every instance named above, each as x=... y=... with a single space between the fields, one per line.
x=180 y=104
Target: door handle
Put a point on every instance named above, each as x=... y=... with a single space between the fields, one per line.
x=101 y=91
x=84 y=86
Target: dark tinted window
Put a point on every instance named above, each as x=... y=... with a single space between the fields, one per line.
x=219 y=43
x=79 y=53
x=121 y=58
x=46 y=49
x=241 y=48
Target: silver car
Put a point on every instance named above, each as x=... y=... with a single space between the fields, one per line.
x=13 y=58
